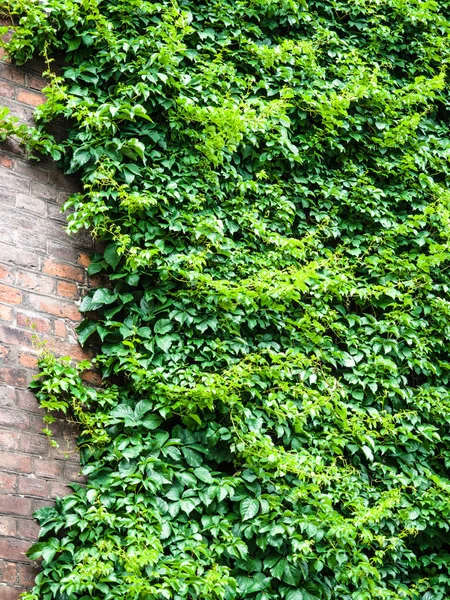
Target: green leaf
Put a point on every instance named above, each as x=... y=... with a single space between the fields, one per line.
x=249 y=508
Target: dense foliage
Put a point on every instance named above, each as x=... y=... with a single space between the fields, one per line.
x=270 y=180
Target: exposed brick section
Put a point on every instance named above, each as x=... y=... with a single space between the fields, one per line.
x=42 y=276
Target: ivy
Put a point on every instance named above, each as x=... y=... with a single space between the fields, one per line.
x=270 y=181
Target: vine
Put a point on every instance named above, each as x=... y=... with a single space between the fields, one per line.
x=270 y=180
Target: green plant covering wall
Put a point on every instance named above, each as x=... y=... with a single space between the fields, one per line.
x=270 y=180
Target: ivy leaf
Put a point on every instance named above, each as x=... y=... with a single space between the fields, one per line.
x=249 y=508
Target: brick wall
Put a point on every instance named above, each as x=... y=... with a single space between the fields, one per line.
x=42 y=274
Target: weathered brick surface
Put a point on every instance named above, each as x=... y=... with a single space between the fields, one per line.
x=42 y=276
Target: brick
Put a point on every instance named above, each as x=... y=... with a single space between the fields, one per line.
x=36 y=83
x=66 y=289
x=11 y=461
x=35 y=282
x=66 y=253
x=5 y=313
x=15 y=505
x=48 y=467
x=28 y=574
x=11 y=593
x=14 y=335
x=30 y=98
x=10 y=295
x=3 y=352
x=7 y=396
x=31 y=203
x=14 y=418
x=30 y=321
x=32 y=171
x=59 y=490
x=73 y=350
x=32 y=486
x=37 y=504
x=26 y=400
x=44 y=191
x=26 y=528
x=84 y=259
x=72 y=473
x=29 y=361
x=12 y=73
x=92 y=377
x=6 y=274
x=60 y=328
x=8 y=572
x=7 y=526
x=13 y=549
x=63 y=270
x=55 y=307
x=18 y=257
x=15 y=183
x=14 y=376
x=8 y=441
x=7 y=197
x=7 y=234
x=8 y=483
x=6 y=161
x=6 y=89
x=34 y=444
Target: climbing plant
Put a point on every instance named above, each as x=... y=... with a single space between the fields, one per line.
x=270 y=182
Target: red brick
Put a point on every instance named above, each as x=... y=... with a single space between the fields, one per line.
x=35 y=205
x=11 y=593
x=72 y=473
x=5 y=313
x=14 y=418
x=11 y=73
x=36 y=282
x=15 y=505
x=13 y=549
x=93 y=377
x=60 y=328
x=30 y=98
x=8 y=441
x=26 y=528
x=55 y=307
x=36 y=83
x=48 y=467
x=8 y=483
x=8 y=572
x=3 y=352
x=66 y=253
x=6 y=161
x=32 y=486
x=60 y=269
x=74 y=350
x=11 y=461
x=6 y=274
x=59 y=490
x=13 y=376
x=6 y=89
x=67 y=290
x=28 y=360
x=27 y=575
x=37 y=504
x=7 y=526
x=27 y=401
x=34 y=444
x=30 y=321
x=10 y=295
x=84 y=259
